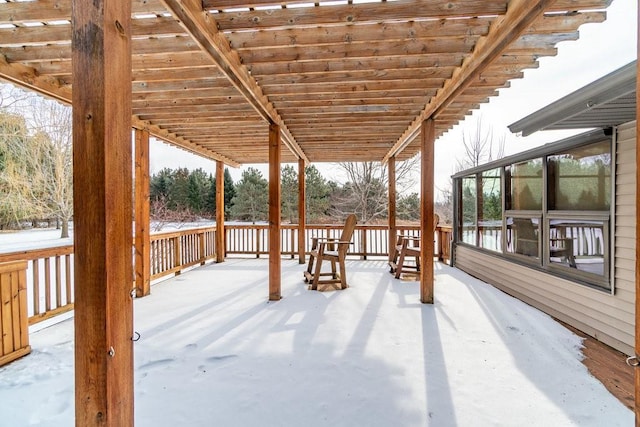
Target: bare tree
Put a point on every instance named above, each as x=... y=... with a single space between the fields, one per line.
x=162 y=214
x=366 y=191
x=479 y=147
x=46 y=160
x=12 y=96
x=14 y=137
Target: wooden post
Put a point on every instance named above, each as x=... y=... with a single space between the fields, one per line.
x=302 y=212
x=103 y=209
x=143 y=256
x=637 y=346
x=393 y=231
x=220 y=246
x=274 y=212
x=427 y=139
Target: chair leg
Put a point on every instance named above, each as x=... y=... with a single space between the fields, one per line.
x=343 y=274
x=333 y=269
x=316 y=276
x=400 y=265
x=309 y=268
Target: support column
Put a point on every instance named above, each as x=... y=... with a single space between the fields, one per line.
x=220 y=231
x=142 y=240
x=393 y=232
x=427 y=140
x=274 y=213
x=637 y=347
x=302 y=212
x=102 y=194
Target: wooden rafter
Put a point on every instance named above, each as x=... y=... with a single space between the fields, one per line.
x=203 y=29
x=505 y=30
x=181 y=142
x=343 y=79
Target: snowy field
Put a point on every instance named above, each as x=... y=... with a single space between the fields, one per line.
x=214 y=352
x=37 y=238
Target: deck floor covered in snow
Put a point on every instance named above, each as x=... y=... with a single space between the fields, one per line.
x=214 y=351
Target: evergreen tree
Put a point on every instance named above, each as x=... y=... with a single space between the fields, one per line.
x=409 y=207
x=160 y=184
x=210 y=199
x=318 y=193
x=193 y=196
x=198 y=189
x=229 y=192
x=251 y=202
x=179 y=190
x=289 y=198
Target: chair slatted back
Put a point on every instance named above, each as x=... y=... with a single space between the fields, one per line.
x=347 y=232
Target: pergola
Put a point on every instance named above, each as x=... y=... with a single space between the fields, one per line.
x=251 y=82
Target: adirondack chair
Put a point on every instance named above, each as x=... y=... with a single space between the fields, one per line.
x=331 y=250
x=406 y=247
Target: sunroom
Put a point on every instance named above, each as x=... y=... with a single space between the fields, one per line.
x=554 y=226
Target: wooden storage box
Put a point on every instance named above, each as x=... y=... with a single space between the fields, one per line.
x=14 y=327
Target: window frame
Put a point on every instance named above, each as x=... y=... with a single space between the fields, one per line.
x=543 y=262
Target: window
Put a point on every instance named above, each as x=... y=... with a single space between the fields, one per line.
x=524 y=190
x=468 y=225
x=580 y=178
x=550 y=212
x=523 y=236
x=524 y=185
x=490 y=210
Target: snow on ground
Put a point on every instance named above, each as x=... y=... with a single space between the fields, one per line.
x=213 y=351
x=38 y=238
x=35 y=238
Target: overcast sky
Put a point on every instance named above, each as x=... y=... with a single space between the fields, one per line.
x=601 y=49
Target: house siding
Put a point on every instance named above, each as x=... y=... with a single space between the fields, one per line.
x=609 y=318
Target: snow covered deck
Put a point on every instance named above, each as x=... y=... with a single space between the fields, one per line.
x=213 y=351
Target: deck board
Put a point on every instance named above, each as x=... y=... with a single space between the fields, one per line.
x=609 y=366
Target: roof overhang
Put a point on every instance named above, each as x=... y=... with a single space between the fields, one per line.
x=607 y=102
x=344 y=81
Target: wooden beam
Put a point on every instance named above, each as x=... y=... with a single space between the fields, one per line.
x=302 y=212
x=445 y=61
x=367 y=13
x=560 y=5
x=391 y=165
x=203 y=28
x=142 y=214
x=389 y=32
x=59 y=10
x=431 y=47
x=181 y=142
x=220 y=231
x=102 y=194
x=505 y=30
x=274 y=213
x=28 y=77
x=427 y=140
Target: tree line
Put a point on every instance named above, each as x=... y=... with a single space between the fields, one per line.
x=36 y=179
x=183 y=195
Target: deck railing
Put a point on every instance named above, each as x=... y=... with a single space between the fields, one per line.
x=50 y=281
x=173 y=252
x=367 y=240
